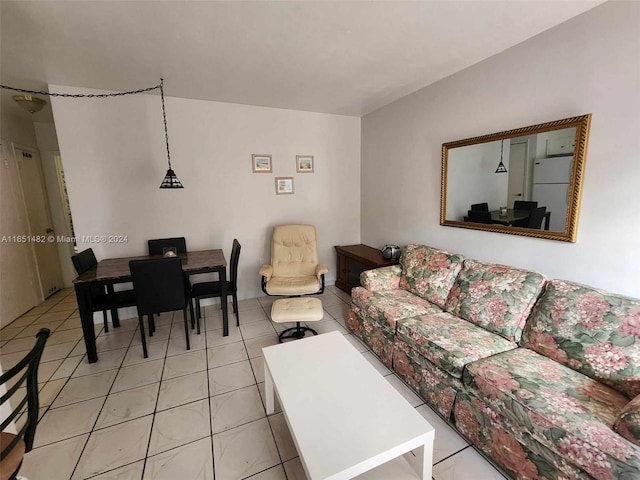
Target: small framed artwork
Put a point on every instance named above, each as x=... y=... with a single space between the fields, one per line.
x=304 y=163
x=261 y=163
x=284 y=185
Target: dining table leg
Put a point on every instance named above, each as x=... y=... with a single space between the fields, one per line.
x=222 y=277
x=83 y=296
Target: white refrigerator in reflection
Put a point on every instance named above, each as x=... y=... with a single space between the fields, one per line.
x=551 y=188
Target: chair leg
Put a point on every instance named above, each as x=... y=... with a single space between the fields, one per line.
x=235 y=308
x=198 y=309
x=197 y=320
x=144 y=343
x=152 y=325
x=106 y=321
x=186 y=327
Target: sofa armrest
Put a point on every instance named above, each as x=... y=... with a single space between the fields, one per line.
x=628 y=422
x=384 y=278
x=266 y=271
x=321 y=269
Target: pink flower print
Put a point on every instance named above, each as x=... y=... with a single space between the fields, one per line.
x=422 y=285
x=606 y=440
x=603 y=394
x=558 y=307
x=606 y=359
x=467 y=422
x=510 y=281
x=496 y=308
x=439 y=261
x=559 y=402
x=631 y=322
x=510 y=454
x=563 y=287
x=592 y=309
x=493 y=380
x=586 y=456
x=499 y=269
x=478 y=289
x=402 y=365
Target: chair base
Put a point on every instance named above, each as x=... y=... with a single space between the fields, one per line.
x=297 y=332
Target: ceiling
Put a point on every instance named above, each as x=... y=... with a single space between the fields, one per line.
x=343 y=57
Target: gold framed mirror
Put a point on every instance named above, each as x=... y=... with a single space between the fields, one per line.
x=525 y=181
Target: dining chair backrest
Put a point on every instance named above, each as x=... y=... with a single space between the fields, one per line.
x=535 y=217
x=21 y=382
x=235 y=257
x=159 y=285
x=480 y=207
x=479 y=217
x=157 y=245
x=524 y=205
x=84 y=261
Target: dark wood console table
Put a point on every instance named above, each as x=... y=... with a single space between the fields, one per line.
x=355 y=259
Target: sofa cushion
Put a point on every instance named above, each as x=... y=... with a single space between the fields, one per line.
x=429 y=272
x=497 y=298
x=383 y=278
x=628 y=422
x=564 y=410
x=388 y=306
x=450 y=342
x=591 y=331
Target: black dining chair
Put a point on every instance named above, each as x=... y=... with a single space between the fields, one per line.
x=213 y=289
x=536 y=217
x=524 y=205
x=102 y=300
x=476 y=216
x=157 y=245
x=13 y=446
x=160 y=287
x=480 y=207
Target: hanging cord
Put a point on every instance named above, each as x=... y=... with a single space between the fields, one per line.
x=88 y=95
x=160 y=87
x=164 y=117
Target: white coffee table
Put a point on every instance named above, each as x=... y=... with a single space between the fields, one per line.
x=344 y=417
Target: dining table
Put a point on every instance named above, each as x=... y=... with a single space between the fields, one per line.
x=111 y=271
x=516 y=215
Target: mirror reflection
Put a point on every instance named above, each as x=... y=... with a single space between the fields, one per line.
x=525 y=181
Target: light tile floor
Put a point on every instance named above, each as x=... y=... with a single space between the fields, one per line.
x=180 y=414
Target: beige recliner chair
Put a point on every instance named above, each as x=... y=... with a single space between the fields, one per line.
x=294 y=268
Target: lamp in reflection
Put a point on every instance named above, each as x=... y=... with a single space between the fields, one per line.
x=501 y=168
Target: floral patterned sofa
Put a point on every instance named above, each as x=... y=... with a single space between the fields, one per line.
x=544 y=377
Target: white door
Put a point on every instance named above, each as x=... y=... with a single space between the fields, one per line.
x=517 y=162
x=41 y=226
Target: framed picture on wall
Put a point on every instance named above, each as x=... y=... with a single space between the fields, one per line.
x=284 y=185
x=261 y=163
x=304 y=163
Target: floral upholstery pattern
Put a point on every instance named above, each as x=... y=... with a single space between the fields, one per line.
x=450 y=342
x=497 y=298
x=428 y=272
x=383 y=278
x=386 y=307
x=567 y=412
x=591 y=331
x=433 y=384
x=518 y=454
x=379 y=339
x=628 y=422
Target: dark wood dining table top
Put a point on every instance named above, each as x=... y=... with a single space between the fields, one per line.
x=511 y=216
x=118 y=268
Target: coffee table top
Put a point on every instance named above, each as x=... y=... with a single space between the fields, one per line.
x=343 y=415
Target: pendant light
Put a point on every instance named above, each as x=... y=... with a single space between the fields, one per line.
x=30 y=103
x=170 y=180
x=501 y=168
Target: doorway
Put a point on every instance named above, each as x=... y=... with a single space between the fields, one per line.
x=517 y=170
x=42 y=234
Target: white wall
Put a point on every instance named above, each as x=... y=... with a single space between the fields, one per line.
x=114 y=158
x=590 y=64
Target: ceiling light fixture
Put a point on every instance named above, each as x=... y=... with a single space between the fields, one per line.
x=501 y=168
x=34 y=104
x=30 y=103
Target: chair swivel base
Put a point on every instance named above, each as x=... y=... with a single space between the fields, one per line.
x=296 y=332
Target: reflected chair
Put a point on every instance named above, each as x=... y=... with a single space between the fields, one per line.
x=160 y=287
x=157 y=245
x=536 y=217
x=213 y=289
x=14 y=444
x=479 y=217
x=294 y=268
x=102 y=301
x=480 y=207
x=524 y=205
